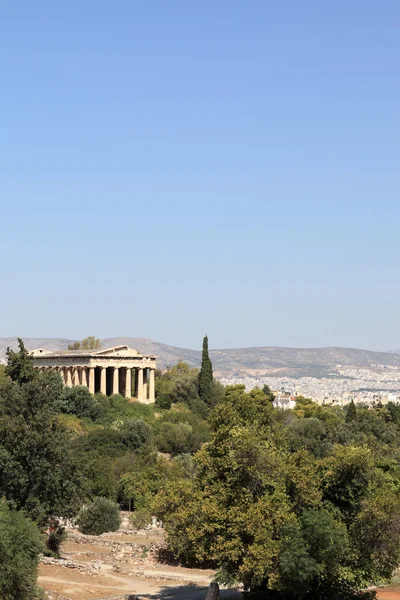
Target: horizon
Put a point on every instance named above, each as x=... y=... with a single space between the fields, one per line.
x=198 y=349
x=177 y=168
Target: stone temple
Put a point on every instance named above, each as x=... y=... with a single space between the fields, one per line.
x=118 y=370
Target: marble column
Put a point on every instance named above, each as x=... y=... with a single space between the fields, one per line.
x=61 y=372
x=68 y=382
x=152 y=393
x=128 y=383
x=139 y=377
x=76 y=378
x=91 y=380
x=103 y=381
x=145 y=390
x=83 y=376
x=115 y=381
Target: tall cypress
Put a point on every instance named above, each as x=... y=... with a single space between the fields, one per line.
x=205 y=375
x=351 y=412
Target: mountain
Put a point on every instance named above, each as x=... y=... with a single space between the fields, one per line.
x=293 y=362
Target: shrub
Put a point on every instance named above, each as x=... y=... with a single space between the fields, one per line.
x=20 y=545
x=57 y=535
x=140 y=518
x=78 y=401
x=98 y=517
x=136 y=433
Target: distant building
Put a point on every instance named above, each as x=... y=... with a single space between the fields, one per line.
x=108 y=371
x=284 y=401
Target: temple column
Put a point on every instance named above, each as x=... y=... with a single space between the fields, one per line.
x=91 y=380
x=61 y=372
x=128 y=383
x=68 y=382
x=139 y=374
x=103 y=385
x=115 y=381
x=76 y=376
x=83 y=377
x=145 y=371
x=152 y=386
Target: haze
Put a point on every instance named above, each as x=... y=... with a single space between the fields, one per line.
x=170 y=169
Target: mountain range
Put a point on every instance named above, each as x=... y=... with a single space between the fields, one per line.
x=266 y=360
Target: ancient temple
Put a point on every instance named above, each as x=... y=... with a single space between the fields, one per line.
x=118 y=370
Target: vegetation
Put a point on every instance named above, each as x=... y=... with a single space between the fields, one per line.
x=290 y=511
x=20 y=545
x=205 y=375
x=99 y=516
x=89 y=343
x=293 y=504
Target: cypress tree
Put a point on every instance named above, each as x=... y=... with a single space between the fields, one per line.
x=205 y=375
x=351 y=412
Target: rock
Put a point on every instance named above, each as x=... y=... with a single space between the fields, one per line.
x=213 y=592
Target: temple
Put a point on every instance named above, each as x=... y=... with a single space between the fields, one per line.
x=118 y=370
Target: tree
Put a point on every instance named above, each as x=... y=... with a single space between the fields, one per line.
x=206 y=375
x=78 y=401
x=99 y=516
x=20 y=364
x=136 y=433
x=89 y=343
x=20 y=545
x=285 y=524
x=38 y=470
x=351 y=412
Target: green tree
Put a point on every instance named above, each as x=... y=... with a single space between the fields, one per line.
x=351 y=414
x=38 y=470
x=99 y=516
x=20 y=364
x=20 y=545
x=89 y=343
x=287 y=524
x=206 y=375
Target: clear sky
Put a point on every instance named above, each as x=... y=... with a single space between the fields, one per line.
x=174 y=168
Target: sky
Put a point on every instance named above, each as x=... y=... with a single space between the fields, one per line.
x=171 y=168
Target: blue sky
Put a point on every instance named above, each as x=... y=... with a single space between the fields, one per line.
x=174 y=168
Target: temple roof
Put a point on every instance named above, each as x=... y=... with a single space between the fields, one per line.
x=114 y=351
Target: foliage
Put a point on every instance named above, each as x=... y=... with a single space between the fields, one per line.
x=56 y=535
x=99 y=516
x=38 y=471
x=140 y=518
x=20 y=364
x=20 y=545
x=117 y=408
x=351 y=413
x=205 y=375
x=136 y=433
x=299 y=508
x=89 y=343
x=78 y=401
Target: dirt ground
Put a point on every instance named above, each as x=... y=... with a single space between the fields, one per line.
x=113 y=566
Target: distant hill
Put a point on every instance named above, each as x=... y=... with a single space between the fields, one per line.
x=294 y=362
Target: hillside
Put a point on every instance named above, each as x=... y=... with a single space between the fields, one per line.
x=316 y=362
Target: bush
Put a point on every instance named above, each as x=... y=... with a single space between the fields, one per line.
x=98 y=517
x=57 y=535
x=20 y=545
x=78 y=401
x=140 y=518
x=136 y=433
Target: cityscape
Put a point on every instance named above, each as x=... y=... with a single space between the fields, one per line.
x=367 y=385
